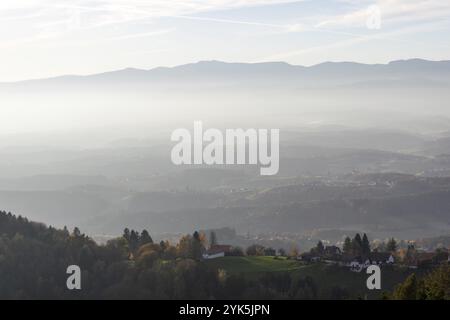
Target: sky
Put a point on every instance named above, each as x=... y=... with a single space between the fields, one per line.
x=45 y=38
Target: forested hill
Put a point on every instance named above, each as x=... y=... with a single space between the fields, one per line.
x=34 y=259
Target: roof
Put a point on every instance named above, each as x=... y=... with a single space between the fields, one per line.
x=218 y=249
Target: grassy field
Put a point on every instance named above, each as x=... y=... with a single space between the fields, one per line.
x=254 y=265
x=325 y=276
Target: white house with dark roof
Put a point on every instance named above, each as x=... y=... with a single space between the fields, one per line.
x=216 y=251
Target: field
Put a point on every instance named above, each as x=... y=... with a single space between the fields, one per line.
x=326 y=277
x=254 y=265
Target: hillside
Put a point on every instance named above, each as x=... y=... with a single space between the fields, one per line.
x=331 y=281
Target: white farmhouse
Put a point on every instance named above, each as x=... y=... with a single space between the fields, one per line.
x=216 y=251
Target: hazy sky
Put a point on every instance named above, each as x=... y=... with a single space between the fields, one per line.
x=42 y=38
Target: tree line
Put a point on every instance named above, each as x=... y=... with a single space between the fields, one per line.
x=34 y=259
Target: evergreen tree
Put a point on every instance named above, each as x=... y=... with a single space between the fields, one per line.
x=145 y=238
x=347 y=247
x=408 y=290
x=197 y=246
x=320 y=248
x=212 y=239
x=437 y=284
x=134 y=240
x=76 y=232
x=126 y=234
x=391 y=246
x=66 y=231
x=365 y=246
x=357 y=245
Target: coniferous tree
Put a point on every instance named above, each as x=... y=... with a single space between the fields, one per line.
x=365 y=246
x=126 y=234
x=408 y=290
x=347 y=247
x=197 y=246
x=391 y=246
x=76 y=232
x=212 y=239
x=65 y=231
x=134 y=240
x=145 y=238
x=320 y=248
x=357 y=245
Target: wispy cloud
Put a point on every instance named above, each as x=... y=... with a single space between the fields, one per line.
x=118 y=10
x=359 y=38
x=47 y=19
x=393 y=11
x=285 y=27
x=143 y=34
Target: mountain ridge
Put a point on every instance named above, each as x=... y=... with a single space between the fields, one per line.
x=211 y=66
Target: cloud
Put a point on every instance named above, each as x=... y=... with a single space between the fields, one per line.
x=359 y=38
x=283 y=27
x=46 y=19
x=112 y=9
x=143 y=34
x=393 y=11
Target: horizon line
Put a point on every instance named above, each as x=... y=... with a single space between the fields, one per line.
x=218 y=61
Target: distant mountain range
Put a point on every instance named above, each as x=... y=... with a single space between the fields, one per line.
x=328 y=73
